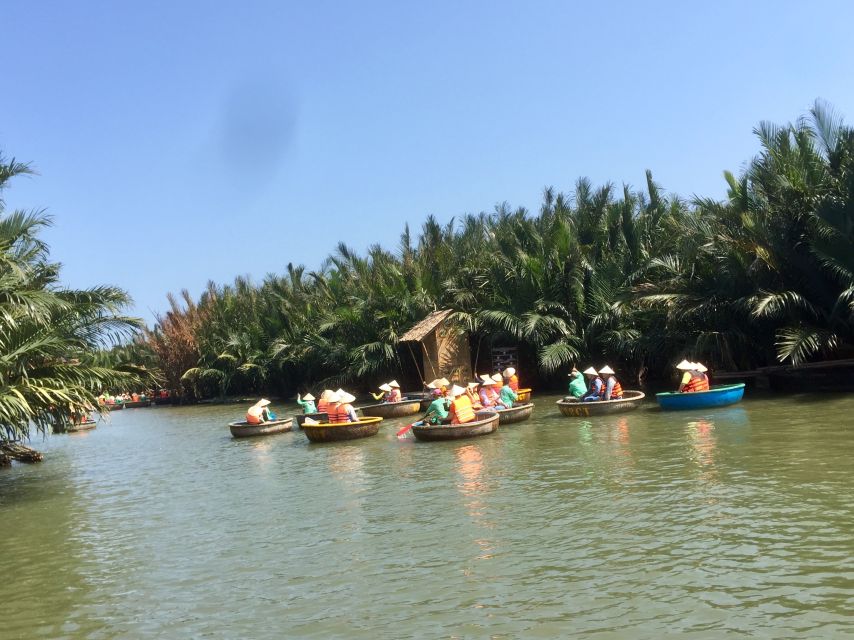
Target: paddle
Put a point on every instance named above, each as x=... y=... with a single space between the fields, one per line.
x=402 y=433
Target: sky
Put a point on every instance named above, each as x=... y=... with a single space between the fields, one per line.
x=181 y=142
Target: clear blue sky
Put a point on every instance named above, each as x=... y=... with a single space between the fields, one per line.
x=179 y=142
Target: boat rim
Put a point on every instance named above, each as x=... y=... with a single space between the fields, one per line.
x=724 y=387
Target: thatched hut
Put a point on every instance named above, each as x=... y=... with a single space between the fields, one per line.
x=444 y=348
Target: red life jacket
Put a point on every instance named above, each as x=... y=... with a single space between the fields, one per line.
x=322 y=406
x=337 y=413
x=461 y=410
x=616 y=392
x=697 y=383
x=513 y=383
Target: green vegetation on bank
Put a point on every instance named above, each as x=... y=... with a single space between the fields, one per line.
x=49 y=334
x=637 y=278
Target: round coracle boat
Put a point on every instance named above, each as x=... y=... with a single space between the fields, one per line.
x=328 y=432
x=135 y=404
x=715 y=397
x=516 y=413
x=405 y=407
x=116 y=406
x=577 y=409
x=243 y=429
x=486 y=422
x=163 y=400
x=317 y=417
x=83 y=426
x=523 y=395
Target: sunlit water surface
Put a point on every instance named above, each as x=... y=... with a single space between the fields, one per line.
x=735 y=522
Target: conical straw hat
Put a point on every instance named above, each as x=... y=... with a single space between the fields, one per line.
x=509 y=371
x=457 y=390
x=385 y=387
x=308 y=396
x=590 y=371
x=684 y=366
x=608 y=371
x=394 y=384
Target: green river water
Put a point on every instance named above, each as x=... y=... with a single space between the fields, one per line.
x=732 y=522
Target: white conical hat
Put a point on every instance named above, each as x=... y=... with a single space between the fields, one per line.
x=308 y=396
x=471 y=385
x=325 y=394
x=684 y=366
x=263 y=402
x=457 y=390
x=608 y=371
x=484 y=376
x=385 y=387
x=333 y=397
x=497 y=377
x=431 y=384
x=701 y=367
x=487 y=382
x=394 y=384
x=590 y=371
x=444 y=381
x=346 y=398
x=509 y=371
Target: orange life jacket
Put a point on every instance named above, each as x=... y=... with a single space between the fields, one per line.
x=251 y=418
x=498 y=385
x=513 y=383
x=322 y=406
x=592 y=387
x=461 y=410
x=488 y=397
x=337 y=413
x=697 y=383
x=616 y=392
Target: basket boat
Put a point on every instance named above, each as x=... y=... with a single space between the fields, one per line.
x=720 y=396
x=486 y=423
x=575 y=408
x=516 y=413
x=328 y=432
x=243 y=429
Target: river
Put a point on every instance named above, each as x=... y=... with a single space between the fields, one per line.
x=728 y=522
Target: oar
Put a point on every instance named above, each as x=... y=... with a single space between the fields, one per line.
x=406 y=429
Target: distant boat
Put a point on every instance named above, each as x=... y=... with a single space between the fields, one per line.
x=83 y=426
x=116 y=406
x=135 y=404
x=575 y=408
x=405 y=407
x=517 y=413
x=243 y=429
x=486 y=423
x=719 y=396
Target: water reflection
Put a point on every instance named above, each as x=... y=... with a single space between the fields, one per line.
x=701 y=438
x=347 y=464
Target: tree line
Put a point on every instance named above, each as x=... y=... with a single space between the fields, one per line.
x=639 y=278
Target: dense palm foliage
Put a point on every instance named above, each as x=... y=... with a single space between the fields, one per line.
x=636 y=277
x=50 y=335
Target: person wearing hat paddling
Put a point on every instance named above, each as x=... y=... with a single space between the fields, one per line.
x=394 y=392
x=512 y=379
x=383 y=394
x=595 y=385
x=693 y=379
x=461 y=409
x=258 y=412
x=507 y=396
x=307 y=403
x=613 y=388
x=577 y=386
x=437 y=412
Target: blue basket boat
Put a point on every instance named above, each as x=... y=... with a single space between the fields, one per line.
x=714 y=397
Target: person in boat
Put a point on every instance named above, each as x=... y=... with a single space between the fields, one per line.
x=506 y=397
x=472 y=393
x=498 y=379
x=511 y=379
x=595 y=385
x=613 y=388
x=344 y=411
x=394 y=395
x=437 y=412
x=385 y=389
x=488 y=395
x=134 y=397
x=577 y=386
x=307 y=403
x=323 y=403
x=461 y=410
x=258 y=413
x=693 y=379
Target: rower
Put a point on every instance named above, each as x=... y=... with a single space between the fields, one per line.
x=512 y=379
x=437 y=412
x=394 y=392
x=693 y=379
x=383 y=394
x=507 y=396
x=577 y=386
x=258 y=413
x=307 y=403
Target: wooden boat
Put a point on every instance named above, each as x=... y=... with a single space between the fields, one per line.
x=83 y=426
x=576 y=408
x=162 y=401
x=405 y=407
x=118 y=406
x=243 y=429
x=319 y=417
x=138 y=403
x=523 y=395
x=517 y=413
x=487 y=422
x=718 y=396
x=328 y=432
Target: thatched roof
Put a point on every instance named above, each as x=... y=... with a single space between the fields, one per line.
x=423 y=328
